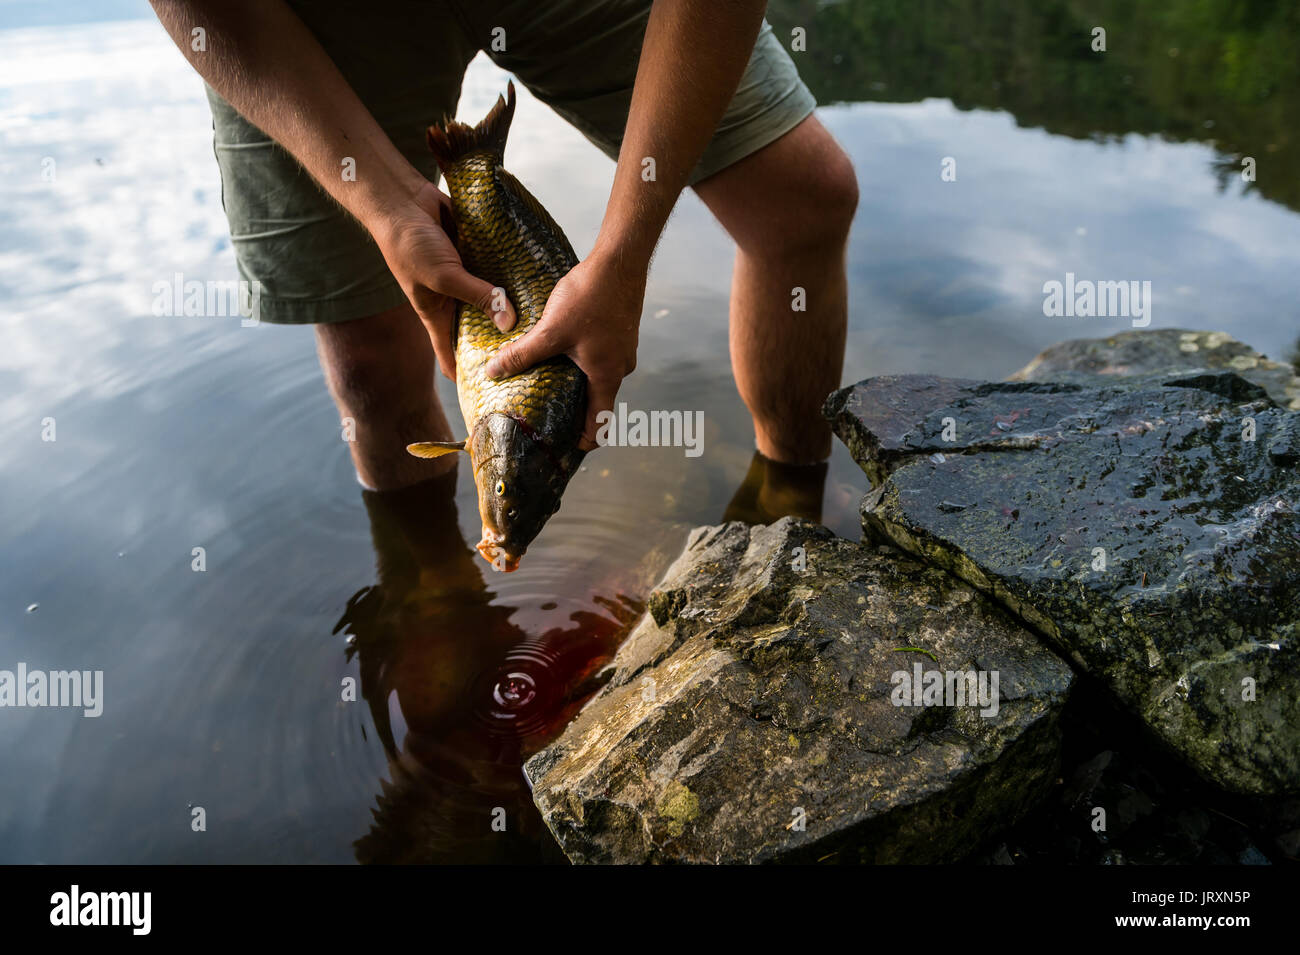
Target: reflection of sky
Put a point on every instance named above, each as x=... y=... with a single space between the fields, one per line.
x=948 y=276
x=175 y=430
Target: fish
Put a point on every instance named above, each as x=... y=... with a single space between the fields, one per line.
x=524 y=430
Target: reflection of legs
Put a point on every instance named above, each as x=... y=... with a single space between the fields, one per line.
x=788 y=208
x=380 y=370
x=418 y=542
x=430 y=624
x=772 y=490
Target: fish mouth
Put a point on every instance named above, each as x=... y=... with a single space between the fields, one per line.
x=495 y=554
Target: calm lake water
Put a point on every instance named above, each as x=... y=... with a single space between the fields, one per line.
x=222 y=688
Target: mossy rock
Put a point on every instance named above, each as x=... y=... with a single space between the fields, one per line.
x=750 y=717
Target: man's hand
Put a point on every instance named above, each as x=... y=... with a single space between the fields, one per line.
x=424 y=261
x=593 y=316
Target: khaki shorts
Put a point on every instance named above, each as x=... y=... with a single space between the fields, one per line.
x=406 y=59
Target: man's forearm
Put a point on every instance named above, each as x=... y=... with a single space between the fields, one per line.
x=265 y=62
x=693 y=56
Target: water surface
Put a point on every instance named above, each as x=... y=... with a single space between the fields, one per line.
x=223 y=688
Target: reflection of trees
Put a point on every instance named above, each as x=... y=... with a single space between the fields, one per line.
x=1171 y=68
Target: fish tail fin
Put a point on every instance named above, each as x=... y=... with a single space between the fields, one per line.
x=450 y=140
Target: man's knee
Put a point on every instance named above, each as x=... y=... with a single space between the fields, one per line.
x=819 y=210
x=382 y=365
x=841 y=188
x=359 y=379
x=794 y=198
x=796 y=202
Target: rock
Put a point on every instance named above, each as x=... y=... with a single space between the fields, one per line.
x=1157 y=811
x=1130 y=524
x=1252 y=856
x=1002 y=857
x=1094 y=360
x=749 y=717
x=880 y=443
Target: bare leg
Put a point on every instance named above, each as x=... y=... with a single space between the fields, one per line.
x=788 y=207
x=380 y=370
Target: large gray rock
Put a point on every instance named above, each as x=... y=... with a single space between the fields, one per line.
x=1131 y=524
x=758 y=690
x=1131 y=353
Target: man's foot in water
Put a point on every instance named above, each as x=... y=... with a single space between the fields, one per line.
x=772 y=490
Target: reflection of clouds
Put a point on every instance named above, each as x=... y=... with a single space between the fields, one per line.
x=946 y=276
x=182 y=431
x=1149 y=210
x=85 y=249
x=177 y=432
x=82 y=252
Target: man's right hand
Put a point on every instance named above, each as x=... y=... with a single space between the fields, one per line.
x=424 y=260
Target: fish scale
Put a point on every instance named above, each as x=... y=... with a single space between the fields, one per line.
x=497 y=240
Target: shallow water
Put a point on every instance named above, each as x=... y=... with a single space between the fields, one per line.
x=222 y=687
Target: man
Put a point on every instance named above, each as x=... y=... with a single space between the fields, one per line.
x=303 y=90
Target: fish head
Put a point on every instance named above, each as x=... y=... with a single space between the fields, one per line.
x=520 y=481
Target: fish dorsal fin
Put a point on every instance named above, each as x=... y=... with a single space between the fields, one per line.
x=435 y=449
x=450 y=140
x=517 y=188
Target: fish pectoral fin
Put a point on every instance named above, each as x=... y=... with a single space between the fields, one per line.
x=435 y=449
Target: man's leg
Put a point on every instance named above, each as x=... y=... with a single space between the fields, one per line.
x=788 y=207
x=380 y=370
x=787 y=201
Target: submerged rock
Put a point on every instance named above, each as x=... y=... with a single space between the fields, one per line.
x=1147 y=527
x=1131 y=353
x=751 y=715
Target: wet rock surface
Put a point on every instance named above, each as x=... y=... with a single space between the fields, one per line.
x=750 y=716
x=1134 y=353
x=1130 y=521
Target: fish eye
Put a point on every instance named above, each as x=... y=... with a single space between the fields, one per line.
x=501 y=488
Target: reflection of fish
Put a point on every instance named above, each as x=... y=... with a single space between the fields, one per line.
x=524 y=430
x=471 y=710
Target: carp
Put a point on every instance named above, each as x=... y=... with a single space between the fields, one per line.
x=524 y=430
